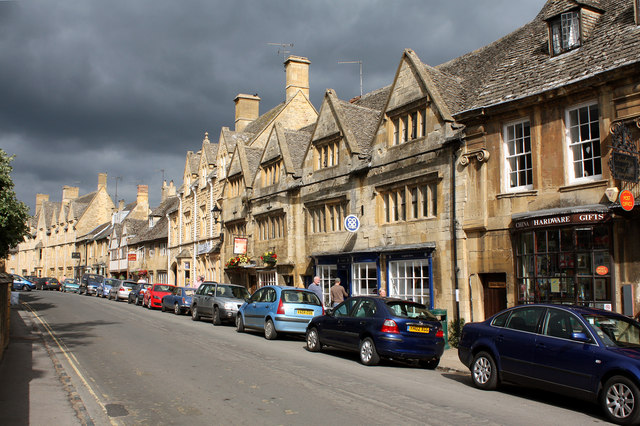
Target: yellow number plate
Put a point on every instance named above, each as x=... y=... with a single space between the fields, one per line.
x=418 y=329
x=304 y=311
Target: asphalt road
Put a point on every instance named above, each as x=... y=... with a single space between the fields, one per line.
x=130 y=365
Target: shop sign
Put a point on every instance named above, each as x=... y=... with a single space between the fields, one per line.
x=497 y=284
x=565 y=219
x=626 y=200
x=204 y=247
x=602 y=270
x=240 y=245
x=75 y=255
x=623 y=162
x=131 y=257
x=351 y=223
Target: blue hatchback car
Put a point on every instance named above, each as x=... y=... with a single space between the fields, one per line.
x=380 y=327
x=579 y=351
x=21 y=283
x=278 y=309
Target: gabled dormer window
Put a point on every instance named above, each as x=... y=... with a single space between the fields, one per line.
x=409 y=126
x=234 y=186
x=271 y=173
x=327 y=154
x=565 y=32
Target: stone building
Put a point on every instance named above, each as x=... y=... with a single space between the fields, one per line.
x=545 y=111
x=51 y=249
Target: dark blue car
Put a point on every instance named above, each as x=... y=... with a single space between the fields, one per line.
x=380 y=327
x=579 y=351
x=179 y=301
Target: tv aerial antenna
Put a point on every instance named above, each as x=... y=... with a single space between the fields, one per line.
x=355 y=62
x=283 y=49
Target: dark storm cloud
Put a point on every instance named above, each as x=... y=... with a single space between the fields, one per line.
x=127 y=87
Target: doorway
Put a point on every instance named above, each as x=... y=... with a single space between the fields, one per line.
x=494 y=287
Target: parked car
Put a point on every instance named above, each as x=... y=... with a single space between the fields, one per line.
x=584 y=352
x=179 y=300
x=21 y=283
x=153 y=296
x=104 y=288
x=137 y=293
x=31 y=278
x=380 y=327
x=218 y=301
x=48 y=283
x=121 y=291
x=70 y=285
x=278 y=309
x=89 y=283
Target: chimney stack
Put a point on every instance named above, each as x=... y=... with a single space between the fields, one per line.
x=121 y=205
x=102 y=180
x=297 y=69
x=69 y=193
x=167 y=190
x=247 y=110
x=40 y=198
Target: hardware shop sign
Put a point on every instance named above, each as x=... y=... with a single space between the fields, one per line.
x=559 y=220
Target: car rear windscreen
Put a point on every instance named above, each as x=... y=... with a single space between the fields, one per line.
x=296 y=296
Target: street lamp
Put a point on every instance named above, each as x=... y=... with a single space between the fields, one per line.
x=215 y=211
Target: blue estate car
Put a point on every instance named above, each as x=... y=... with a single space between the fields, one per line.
x=278 y=309
x=380 y=327
x=178 y=301
x=584 y=352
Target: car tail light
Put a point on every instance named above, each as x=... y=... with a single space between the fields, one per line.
x=440 y=333
x=323 y=310
x=389 y=326
x=280 y=308
x=121 y=289
x=183 y=302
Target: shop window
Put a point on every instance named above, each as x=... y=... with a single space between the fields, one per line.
x=364 y=278
x=327 y=275
x=409 y=280
x=564 y=266
x=267 y=278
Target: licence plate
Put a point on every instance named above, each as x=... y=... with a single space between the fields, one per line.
x=304 y=311
x=418 y=329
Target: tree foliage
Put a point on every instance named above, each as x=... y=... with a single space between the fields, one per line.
x=13 y=213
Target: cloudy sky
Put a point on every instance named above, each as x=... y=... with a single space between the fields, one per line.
x=128 y=87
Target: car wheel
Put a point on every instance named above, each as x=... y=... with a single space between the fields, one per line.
x=313 y=340
x=216 y=316
x=484 y=372
x=270 y=332
x=195 y=315
x=26 y=288
x=431 y=364
x=368 y=353
x=239 y=323
x=620 y=400
x=177 y=310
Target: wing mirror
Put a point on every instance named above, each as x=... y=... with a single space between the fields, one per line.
x=580 y=337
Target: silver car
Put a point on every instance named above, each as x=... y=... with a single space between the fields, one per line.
x=219 y=301
x=121 y=291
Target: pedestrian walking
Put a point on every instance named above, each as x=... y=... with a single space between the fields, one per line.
x=317 y=288
x=338 y=293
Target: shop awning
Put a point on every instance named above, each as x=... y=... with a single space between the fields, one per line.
x=592 y=208
x=381 y=249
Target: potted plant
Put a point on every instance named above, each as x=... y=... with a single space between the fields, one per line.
x=237 y=261
x=269 y=257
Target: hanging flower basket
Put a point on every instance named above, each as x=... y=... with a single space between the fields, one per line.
x=237 y=261
x=269 y=257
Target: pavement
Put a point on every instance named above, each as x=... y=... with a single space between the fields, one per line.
x=36 y=390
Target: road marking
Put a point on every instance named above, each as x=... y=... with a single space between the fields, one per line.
x=73 y=361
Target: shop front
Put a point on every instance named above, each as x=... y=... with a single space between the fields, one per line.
x=564 y=256
x=403 y=271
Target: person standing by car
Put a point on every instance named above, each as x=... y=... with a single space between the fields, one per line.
x=199 y=280
x=316 y=288
x=338 y=293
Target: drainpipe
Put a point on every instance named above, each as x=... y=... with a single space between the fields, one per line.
x=454 y=147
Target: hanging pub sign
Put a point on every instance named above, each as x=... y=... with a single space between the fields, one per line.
x=240 y=245
x=623 y=162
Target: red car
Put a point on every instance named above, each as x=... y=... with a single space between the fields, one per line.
x=153 y=296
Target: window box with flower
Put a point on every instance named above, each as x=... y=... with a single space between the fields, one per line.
x=269 y=257
x=237 y=261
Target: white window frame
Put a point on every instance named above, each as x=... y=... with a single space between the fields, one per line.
x=327 y=275
x=569 y=144
x=267 y=278
x=403 y=272
x=509 y=155
x=364 y=278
